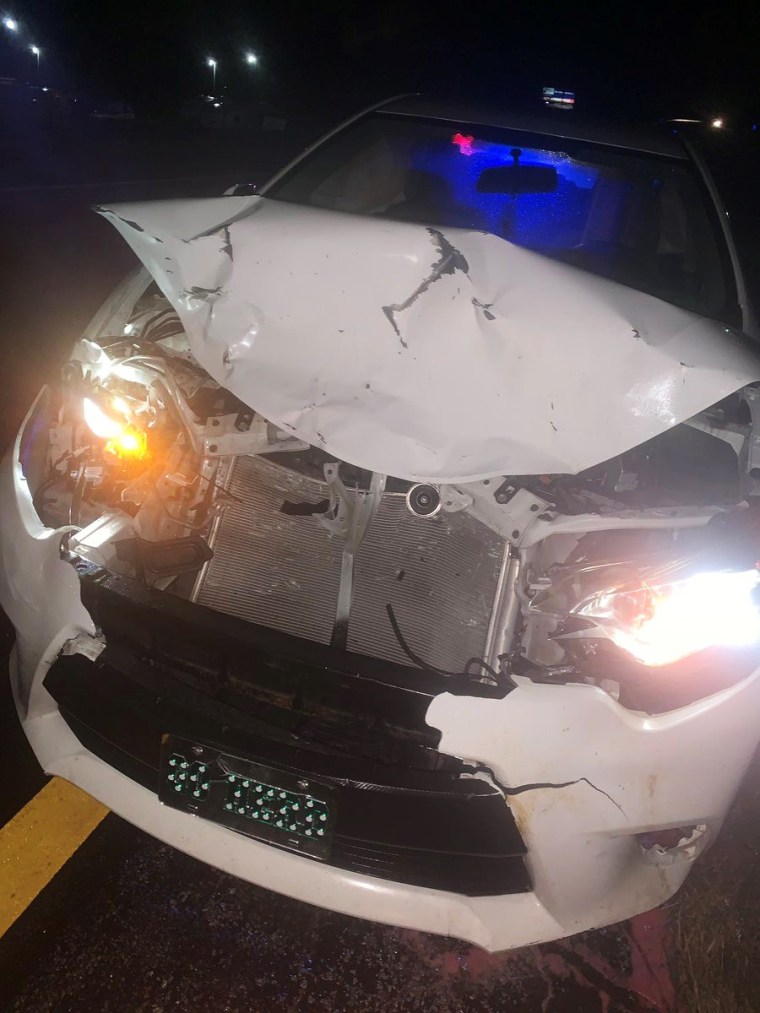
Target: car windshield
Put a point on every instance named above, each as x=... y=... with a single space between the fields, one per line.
x=638 y=219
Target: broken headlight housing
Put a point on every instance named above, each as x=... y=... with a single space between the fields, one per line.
x=124 y=438
x=659 y=624
x=138 y=452
x=659 y=616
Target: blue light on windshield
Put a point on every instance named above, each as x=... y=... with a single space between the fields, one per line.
x=534 y=220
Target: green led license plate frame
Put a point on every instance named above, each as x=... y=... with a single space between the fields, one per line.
x=262 y=802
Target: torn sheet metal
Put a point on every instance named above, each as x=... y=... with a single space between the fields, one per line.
x=429 y=354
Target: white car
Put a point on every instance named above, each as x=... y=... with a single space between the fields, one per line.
x=390 y=539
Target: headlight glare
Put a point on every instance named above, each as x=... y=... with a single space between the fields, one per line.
x=124 y=440
x=659 y=624
x=99 y=422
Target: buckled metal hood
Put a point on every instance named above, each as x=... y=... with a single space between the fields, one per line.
x=425 y=353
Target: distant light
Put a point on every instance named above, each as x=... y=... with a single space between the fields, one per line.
x=217 y=104
x=558 y=98
x=251 y=59
x=10 y=24
x=717 y=123
x=211 y=62
x=36 y=51
x=46 y=89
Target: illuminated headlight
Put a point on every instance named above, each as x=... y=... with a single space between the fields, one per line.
x=659 y=623
x=123 y=439
x=658 y=615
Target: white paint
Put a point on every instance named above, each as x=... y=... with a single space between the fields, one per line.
x=676 y=769
x=572 y=369
x=557 y=332
x=588 y=870
x=38 y=590
x=642 y=773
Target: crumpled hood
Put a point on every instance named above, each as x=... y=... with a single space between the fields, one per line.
x=429 y=354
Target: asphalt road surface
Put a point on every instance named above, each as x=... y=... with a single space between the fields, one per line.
x=98 y=915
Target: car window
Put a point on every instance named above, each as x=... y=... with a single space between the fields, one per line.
x=636 y=219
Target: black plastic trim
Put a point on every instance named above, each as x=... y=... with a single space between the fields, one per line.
x=432 y=828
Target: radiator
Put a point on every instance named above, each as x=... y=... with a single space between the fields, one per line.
x=282 y=571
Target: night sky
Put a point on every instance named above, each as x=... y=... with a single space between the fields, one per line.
x=652 y=60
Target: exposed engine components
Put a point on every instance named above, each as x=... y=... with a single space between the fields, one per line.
x=423 y=500
x=139 y=446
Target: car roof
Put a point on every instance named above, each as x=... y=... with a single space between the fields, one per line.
x=565 y=124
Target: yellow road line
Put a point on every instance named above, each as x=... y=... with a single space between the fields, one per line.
x=39 y=840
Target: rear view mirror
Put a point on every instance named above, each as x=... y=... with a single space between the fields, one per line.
x=516 y=178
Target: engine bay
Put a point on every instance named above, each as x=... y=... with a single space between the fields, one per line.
x=146 y=455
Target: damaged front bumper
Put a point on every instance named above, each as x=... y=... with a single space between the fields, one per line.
x=582 y=777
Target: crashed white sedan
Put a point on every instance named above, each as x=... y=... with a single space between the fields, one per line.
x=389 y=539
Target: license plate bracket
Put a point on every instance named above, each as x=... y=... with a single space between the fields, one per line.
x=280 y=807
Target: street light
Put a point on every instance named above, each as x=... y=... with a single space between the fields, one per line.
x=212 y=63
x=10 y=24
x=251 y=59
x=36 y=51
x=717 y=123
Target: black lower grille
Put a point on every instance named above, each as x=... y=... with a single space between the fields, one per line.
x=419 y=821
